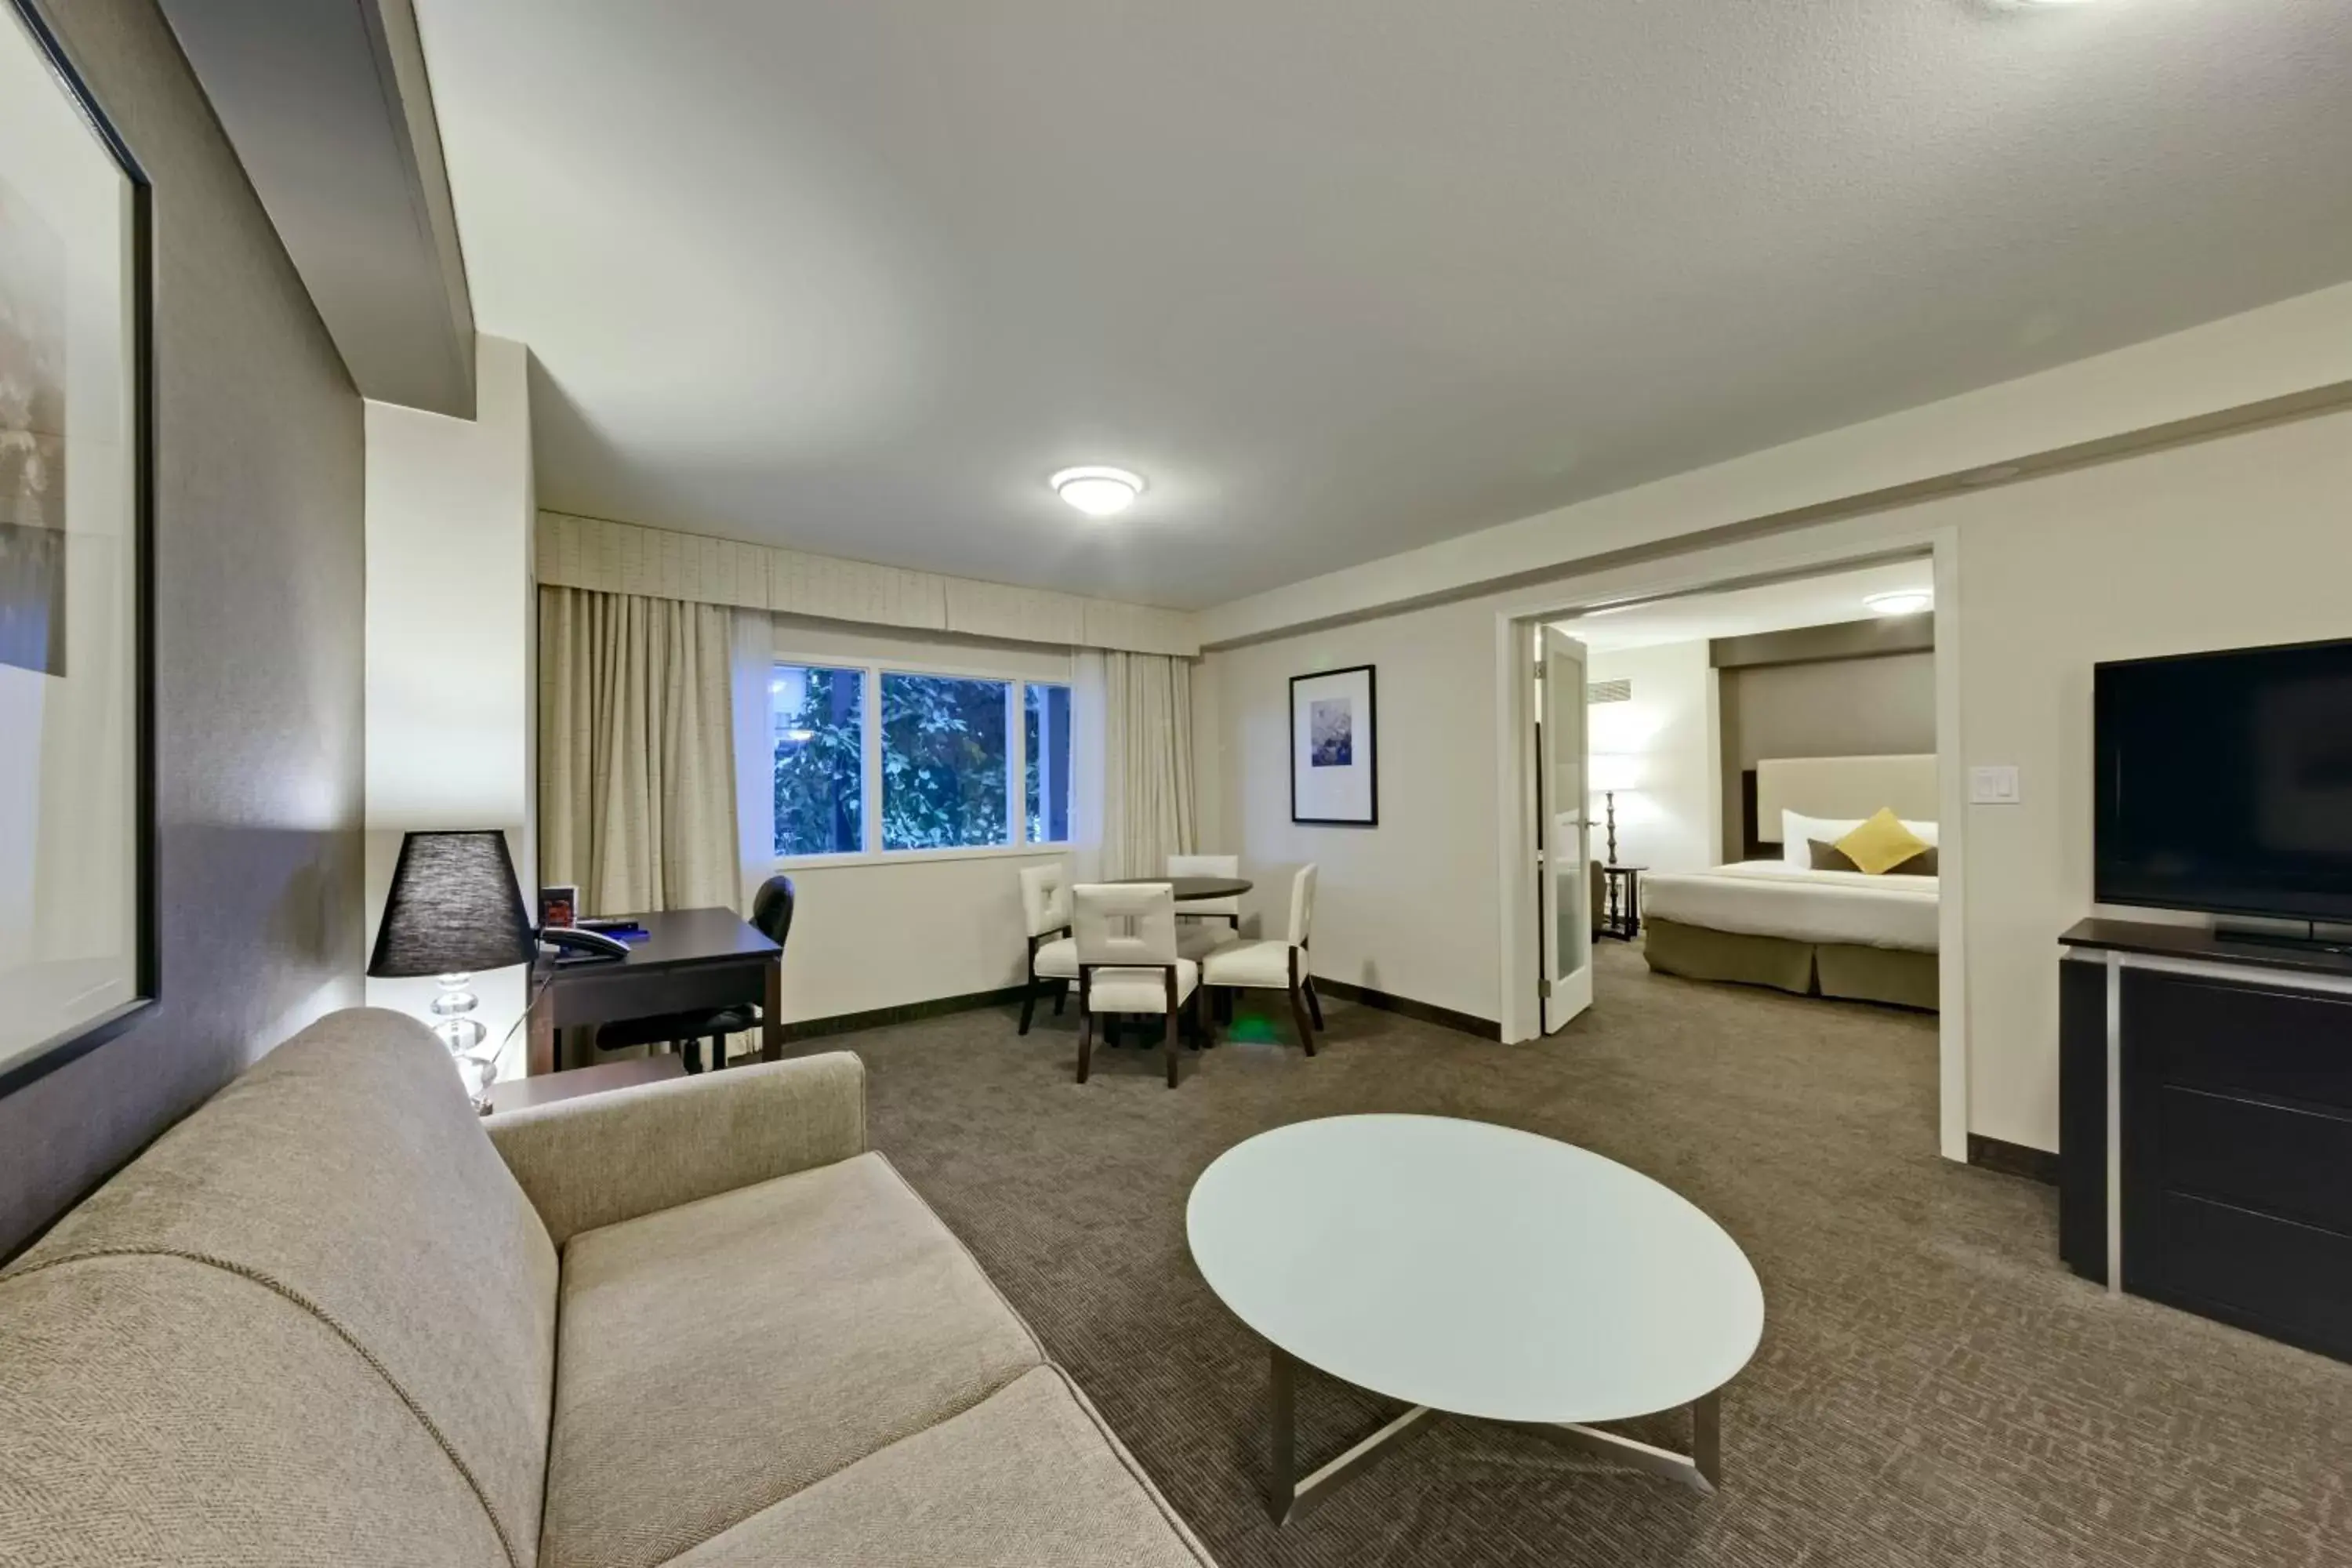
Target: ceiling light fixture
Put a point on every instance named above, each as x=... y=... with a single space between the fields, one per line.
x=1097 y=491
x=1901 y=602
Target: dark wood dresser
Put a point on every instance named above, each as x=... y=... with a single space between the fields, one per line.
x=2209 y=1081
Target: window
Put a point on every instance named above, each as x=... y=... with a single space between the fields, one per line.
x=820 y=728
x=1045 y=746
x=872 y=760
x=945 y=755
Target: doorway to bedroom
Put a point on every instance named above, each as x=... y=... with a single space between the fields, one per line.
x=1740 y=789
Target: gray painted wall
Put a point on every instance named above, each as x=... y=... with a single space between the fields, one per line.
x=1833 y=708
x=258 y=535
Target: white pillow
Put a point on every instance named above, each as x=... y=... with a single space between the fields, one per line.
x=1795 y=830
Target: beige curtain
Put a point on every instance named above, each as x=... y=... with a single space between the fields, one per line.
x=637 y=751
x=1142 y=704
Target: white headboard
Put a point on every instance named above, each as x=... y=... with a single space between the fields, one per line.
x=1843 y=787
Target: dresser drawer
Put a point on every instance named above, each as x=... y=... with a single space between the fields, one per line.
x=2295 y=1163
x=2240 y=1039
x=2273 y=1276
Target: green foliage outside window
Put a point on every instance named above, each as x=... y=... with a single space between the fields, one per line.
x=820 y=760
x=944 y=757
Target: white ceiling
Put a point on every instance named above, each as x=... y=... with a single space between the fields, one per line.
x=1820 y=601
x=1340 y=276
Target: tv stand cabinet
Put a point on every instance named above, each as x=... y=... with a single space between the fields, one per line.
x=2205 y=1112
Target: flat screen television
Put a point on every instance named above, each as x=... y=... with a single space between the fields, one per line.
x=2224 y=781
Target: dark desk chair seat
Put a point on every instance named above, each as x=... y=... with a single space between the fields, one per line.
x=771 y=915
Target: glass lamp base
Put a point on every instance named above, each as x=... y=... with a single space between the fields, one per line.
x=465 y=1036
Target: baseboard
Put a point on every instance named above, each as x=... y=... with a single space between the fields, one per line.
x=910 y=1011
x=1421 y=1012
x=904 y=1012
x=2012 y=1159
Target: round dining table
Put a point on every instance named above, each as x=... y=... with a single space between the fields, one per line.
x=1191 y=889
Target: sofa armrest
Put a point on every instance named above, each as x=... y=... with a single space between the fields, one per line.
x=604 y=1158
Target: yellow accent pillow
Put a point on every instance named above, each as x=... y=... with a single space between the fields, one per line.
x=1881 y=844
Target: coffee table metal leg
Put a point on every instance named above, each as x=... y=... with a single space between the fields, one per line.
x=1289 y=1498
x=1701 y=1470
x=1706 y=1440
x=1281 y=1404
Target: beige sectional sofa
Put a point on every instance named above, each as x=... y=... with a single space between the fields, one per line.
x=335 y=1319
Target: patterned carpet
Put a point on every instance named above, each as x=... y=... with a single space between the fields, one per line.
x=1933 y=1388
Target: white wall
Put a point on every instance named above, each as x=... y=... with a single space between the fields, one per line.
x=1407 y=907
x=449 y=641
x=2226 y=544
x=886 y=934
x=1671 y=819
x=2241 y=540
x=2290 y=349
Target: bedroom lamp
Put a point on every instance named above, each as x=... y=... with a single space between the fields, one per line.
x=453 y=910
x=1611 y=772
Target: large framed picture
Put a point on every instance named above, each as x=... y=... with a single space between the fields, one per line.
x=78 y=952
x=1335 y=773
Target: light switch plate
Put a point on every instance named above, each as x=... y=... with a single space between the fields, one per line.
x=1993 y=786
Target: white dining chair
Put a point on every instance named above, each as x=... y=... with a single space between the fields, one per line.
x=1203 y=925
x=1053 y=952
x=1127 y=961
x=1276 y=964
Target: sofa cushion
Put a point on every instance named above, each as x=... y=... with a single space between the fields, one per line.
x=347 y=1174
x=162 y=1410
x=1029 y=1478
x=718 y=1357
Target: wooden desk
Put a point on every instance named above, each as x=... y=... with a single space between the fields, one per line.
x=689 y=961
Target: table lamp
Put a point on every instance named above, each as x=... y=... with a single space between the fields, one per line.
x=1610 y=772
x=454 y=910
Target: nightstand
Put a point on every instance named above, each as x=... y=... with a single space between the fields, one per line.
x=1623 y=918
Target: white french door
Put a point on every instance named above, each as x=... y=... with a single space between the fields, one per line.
x=1567 y=887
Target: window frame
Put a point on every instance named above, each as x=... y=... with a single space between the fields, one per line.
x=870 y=673
x=867 y=756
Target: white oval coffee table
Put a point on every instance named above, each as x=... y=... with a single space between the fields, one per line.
x=1476 y=1271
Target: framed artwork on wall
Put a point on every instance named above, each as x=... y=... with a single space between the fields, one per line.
x=1335 y=773
x=78 y=940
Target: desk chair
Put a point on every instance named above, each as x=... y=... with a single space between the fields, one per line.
x=772 y=916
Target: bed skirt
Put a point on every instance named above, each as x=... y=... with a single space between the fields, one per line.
x=1899 y=976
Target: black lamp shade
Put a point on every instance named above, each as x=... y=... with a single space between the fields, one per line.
x=454 y=908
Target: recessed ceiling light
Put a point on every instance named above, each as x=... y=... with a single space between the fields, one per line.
x=1097 y=491
x=1901 y=602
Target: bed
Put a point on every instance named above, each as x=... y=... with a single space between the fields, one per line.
x=1778 y=921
